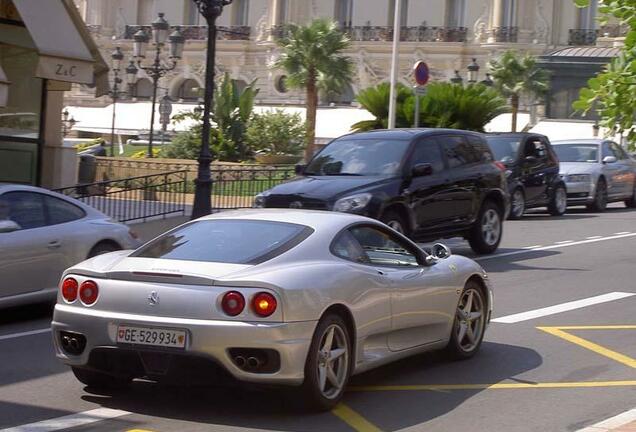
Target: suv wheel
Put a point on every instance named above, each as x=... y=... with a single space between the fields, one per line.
x=559 y=202
x=395 y=221
x=517 y=204
x=485 y=235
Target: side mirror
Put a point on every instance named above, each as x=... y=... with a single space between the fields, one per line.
x=299 y=169
x=609 y=159
x=9 y=227
x=438 y=252
x=421 y=170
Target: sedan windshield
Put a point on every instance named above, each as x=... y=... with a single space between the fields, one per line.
x=236 y=241
x=504 y=148
x=363 y=157
x=577 y=152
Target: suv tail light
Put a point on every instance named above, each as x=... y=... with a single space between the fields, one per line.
x=69 y=289
x=263 y=304
x=233 y=303
x=88 y=292
x=500 y=165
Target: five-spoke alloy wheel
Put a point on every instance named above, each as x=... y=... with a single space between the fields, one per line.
x=470 y=322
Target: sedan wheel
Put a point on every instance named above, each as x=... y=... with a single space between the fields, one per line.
x=600 y=198
x=470 y=320
x=517 y=204
x=631 y=201
x=328 y=363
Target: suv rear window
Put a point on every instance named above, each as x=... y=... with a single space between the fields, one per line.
x=236 y=241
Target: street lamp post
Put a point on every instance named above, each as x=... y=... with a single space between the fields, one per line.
x=211 y=10
x=160 y=30
x=472 y=76
x=473 y=71
x=165 y=109
x=117 y=56
x=67 y=123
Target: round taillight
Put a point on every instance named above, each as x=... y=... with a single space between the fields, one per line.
x=263 y=304
x=88 y=292
x=233 y=303
x=69 y=289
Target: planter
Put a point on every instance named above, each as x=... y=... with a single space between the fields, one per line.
x=277 y=159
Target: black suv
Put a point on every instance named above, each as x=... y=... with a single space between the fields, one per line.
x=532 y=169
x=425 y=183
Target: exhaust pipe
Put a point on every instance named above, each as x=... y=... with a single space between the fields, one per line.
x=74 y=344
x=240 y=361
x=253 y=362
x=65 y=341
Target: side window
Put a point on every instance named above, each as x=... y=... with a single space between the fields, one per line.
x=346 y=246
x=384 y=249
x=427 y=151
x=481 y=146
x=606 y=151
x=26 y=209
x=60 y=211
x=534 y=146
x=618 y=151
x=459 y=152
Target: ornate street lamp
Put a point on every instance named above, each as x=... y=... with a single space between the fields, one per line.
x=488 y=82
x=473 y=71
x=160 y=30
x=457 y=79
x=117 y=56
x=211 y=10
x=67 y=123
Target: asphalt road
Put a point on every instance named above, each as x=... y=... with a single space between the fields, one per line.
x=559 y=369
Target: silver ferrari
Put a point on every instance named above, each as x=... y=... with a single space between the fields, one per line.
x=292 y=297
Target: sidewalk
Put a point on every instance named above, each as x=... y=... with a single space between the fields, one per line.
x=624 y=422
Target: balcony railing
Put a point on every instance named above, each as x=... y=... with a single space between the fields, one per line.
x=192 y=32
x=582 y=37
x=385 y=33
x=505 y=34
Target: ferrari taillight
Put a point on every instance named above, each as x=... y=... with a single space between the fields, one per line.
x=88 y=292
x=264 y=304
x=233 y=303
x=69 y=289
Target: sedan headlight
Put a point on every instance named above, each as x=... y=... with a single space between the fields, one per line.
x=352 y=203
x=579 y=178
x=259 y=200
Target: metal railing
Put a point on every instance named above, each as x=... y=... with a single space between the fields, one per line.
x=371 y=33
x=135 y=198
x=582 y=37
x=198 y=32
x=236 y=188
x=505 y=34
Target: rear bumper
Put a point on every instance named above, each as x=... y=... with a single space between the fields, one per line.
x=205 y=339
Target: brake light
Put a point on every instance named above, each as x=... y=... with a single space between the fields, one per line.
x=500 y=165
x=233 y=303
x=88 y=292
x=264 y=304
x=69 y=289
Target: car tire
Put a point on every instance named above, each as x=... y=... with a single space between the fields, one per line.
x=559 y=201
x=102 y=248
x=600 y=197
x=517 y=204
x=631 y=201
x=470 y=322
x=395 y=221
x=98 y=380
x=319 y=390
x=485 y=235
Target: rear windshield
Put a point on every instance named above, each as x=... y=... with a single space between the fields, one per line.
x=504 y=148
x=577 y=152
x=226 y=241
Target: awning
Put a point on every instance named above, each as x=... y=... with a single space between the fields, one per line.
x=65 y=52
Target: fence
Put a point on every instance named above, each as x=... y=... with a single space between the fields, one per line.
x=135 y=198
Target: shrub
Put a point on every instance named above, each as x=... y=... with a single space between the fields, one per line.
x=276 y=132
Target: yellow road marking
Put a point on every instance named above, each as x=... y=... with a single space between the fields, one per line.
x=353 y=419
x=496 y=386
x=616 y=356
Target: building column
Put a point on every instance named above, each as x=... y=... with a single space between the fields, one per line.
x=497 y=13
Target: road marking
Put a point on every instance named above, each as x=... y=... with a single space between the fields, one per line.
x=622 y=232
x=564 y=242
x=496 y=386
x=593 y=237
x=27 y=333
x=69 y=421
x=612 y=422
x=601 y=350
x=563 y=307
x=533 y=247
x=555 y=246
x=353 y=419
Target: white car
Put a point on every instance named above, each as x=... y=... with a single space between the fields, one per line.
x=42 y=233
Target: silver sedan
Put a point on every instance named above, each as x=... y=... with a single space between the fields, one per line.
x=292 y=297
x=42 y=233
x=596 y=172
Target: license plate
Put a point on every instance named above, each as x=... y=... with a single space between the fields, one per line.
x=151 y=336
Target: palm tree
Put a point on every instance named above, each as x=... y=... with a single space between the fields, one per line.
x=516 y=76
x=376 y=101
x=313 y=60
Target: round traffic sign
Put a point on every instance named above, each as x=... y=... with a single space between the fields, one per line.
x=421 y=73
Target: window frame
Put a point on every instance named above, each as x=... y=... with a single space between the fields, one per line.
x=411 y=162
x=420 y=255
x=445 y=153
x=45 y=208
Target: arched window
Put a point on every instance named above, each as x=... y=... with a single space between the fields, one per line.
x=455 y=13
x=143 y=89
x=188 y=90
x=344 y=97
x=343 y=13
x=404 y=13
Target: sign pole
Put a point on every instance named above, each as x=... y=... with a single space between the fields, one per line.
x=416 y=123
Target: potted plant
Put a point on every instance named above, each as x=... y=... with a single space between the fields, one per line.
x=276 y=137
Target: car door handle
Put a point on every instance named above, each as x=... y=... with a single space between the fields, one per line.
x=54 y=244
x=381 y=272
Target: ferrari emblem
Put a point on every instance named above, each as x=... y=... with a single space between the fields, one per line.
x=153 y=298
x=452 y=267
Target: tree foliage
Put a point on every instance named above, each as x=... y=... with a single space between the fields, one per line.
x=612 y=93
x=515 y=76
x=445 y=105
x=312 y=57
x=276 y=132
